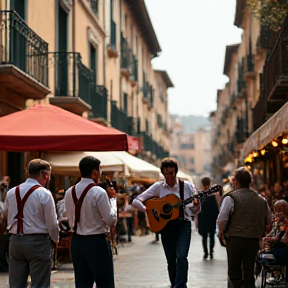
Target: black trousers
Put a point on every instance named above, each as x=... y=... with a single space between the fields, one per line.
x=211 y=242
x=242 y=254
x=92 y=261
x=176 y=237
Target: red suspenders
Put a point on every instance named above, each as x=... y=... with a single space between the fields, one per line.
x=78 y=203
x=20 y=205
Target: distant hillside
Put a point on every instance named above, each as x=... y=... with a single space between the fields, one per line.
x=194 y=123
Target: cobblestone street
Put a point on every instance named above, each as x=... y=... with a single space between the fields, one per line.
x=142 y=264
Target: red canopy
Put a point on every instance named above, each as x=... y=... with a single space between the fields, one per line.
x=50 y=128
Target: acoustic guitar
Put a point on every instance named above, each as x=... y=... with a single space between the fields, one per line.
x=162 y=210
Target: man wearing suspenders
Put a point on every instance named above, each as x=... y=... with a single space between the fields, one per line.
x=32 y=223
x=90 y=212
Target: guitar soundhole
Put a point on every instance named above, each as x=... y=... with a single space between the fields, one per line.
x=167 y=208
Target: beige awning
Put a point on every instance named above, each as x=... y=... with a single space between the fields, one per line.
x=136 y=167
x=67 y=162
x=183 y=176
x=131 y=166
x=271 y=129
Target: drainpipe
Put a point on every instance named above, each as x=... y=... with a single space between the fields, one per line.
x=73 y=25
x=104 y=45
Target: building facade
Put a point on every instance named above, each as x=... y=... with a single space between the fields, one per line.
x=192 y=150
x=90 y=57
x=250 y=123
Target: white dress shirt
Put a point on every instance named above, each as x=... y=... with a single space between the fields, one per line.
x=39 y=211
x=161 y=189
x=97 y=213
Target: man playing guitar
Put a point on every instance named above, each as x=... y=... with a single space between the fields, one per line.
x=176 y=234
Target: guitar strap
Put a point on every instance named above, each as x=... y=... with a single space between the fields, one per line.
x=182 y=206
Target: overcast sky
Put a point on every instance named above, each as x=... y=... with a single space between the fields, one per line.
x=193 y=35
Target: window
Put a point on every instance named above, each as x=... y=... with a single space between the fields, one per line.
x=94 y=6
x=93 y=62
x=187 y=146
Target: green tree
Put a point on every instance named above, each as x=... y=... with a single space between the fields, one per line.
x=271 y=13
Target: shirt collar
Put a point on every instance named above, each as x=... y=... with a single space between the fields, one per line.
x=32 y=181
x=176 y=184
x=87 y=180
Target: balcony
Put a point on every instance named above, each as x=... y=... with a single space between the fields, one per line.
x=133 y=126
x=99 y=98
x=275 y=72
x=23 y=58
x=274 y=81
x=72 y=82
x=119 y=119
x=150 y=145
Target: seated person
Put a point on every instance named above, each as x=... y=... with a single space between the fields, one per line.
x=276 y=241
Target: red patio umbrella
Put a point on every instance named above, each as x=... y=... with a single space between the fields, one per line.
x=50 y=128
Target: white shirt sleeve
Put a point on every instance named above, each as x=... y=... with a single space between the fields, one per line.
x=137 y=204
x=227 y=207
x=108 y=209
x=152 y=192
x=51 y=218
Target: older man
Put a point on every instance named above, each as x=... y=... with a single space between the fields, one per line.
x=242 y=221
x=32 y=223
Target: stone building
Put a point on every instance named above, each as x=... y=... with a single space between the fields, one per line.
x=90 y=57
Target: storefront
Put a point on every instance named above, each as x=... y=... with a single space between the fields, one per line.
x=266 y=150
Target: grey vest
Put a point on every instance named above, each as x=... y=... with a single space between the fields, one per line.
x=248 y=219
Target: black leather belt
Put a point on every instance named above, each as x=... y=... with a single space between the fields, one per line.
x=31 y=234
x=103 y=235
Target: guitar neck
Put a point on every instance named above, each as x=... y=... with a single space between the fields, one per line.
x=214 y=190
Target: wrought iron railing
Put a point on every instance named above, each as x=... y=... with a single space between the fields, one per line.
x=276 y=68
x=133 y=126
x=71 y=77
x=22 y=47
x=99 y=98
x=275 y=73
x=151 y=145
x=118 y=118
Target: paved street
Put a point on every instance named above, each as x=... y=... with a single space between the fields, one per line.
x=142 y=264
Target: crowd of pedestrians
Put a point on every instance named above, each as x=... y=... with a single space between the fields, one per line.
x=96 y=218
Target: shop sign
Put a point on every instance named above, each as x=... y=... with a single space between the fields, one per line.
x=134 y=145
